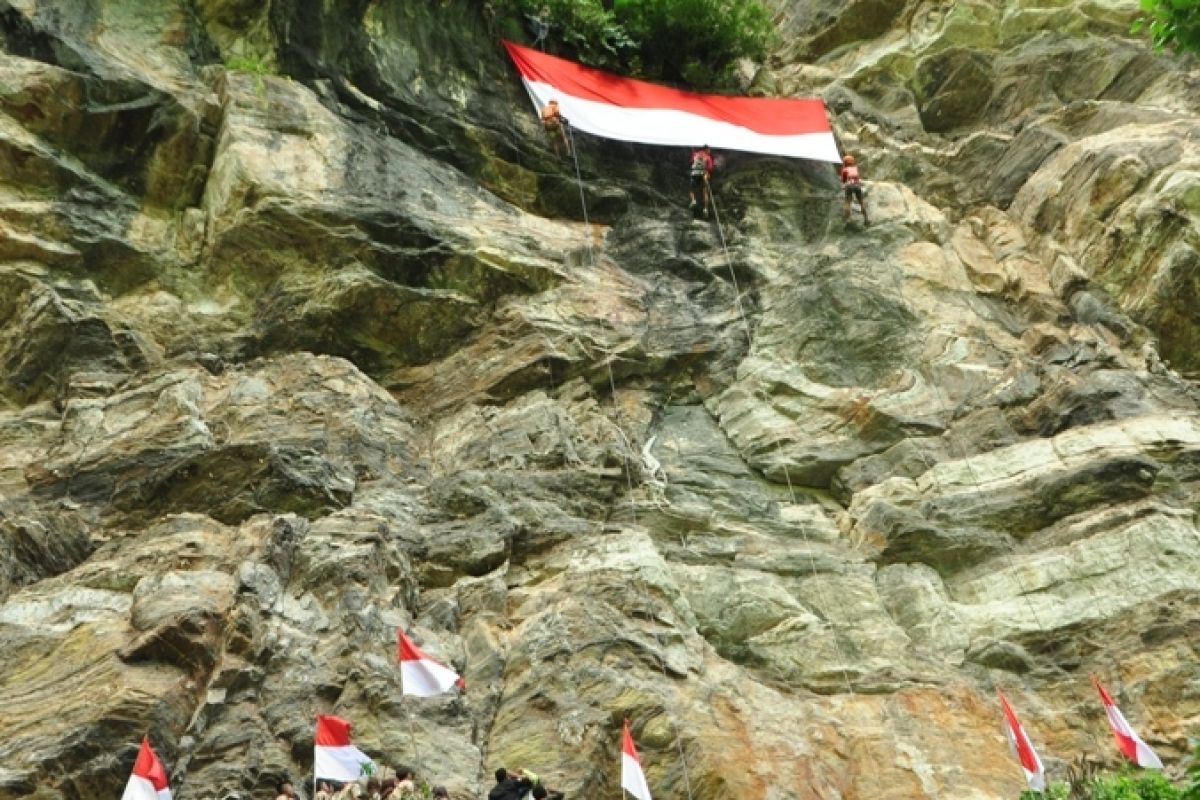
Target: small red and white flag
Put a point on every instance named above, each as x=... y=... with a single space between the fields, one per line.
x=1035 y=773
x=148 y=781
x=633 y=780
x=422 y=676
x=630 y=110
x=334 y=757
x=1128 y=742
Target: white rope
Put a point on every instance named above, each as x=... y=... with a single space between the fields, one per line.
x=627 y=450
x=786 y=472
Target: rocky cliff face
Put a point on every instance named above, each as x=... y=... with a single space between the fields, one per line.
x=296 y=354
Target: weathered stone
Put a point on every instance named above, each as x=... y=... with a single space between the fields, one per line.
x=793 y=495
x=48 y=335
x=953 y=88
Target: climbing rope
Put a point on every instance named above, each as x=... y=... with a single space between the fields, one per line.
x=943 y=407
x=582 y=199
x=627 y=454
x=737 y=291
x=841 y=657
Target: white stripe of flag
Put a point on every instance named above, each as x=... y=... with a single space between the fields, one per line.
x=148 y=779
x=334 y=757
x=631 y=110
x=1127 y=740
x=1031 y=763
x=633 y=780
x=422 y=676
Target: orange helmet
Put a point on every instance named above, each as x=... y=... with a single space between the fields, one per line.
x=848 y=159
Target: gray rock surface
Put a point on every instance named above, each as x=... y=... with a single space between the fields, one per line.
x=304 y=339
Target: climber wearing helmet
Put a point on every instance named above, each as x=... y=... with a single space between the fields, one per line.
x=852 y=188
x=700 y=171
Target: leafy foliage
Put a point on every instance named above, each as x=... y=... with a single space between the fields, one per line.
x=1193 y=791
x=696 y=42
x=250 y=64
x=1055 y=791
x=1171 y=23
x=1129 y=784
x=1147 y=786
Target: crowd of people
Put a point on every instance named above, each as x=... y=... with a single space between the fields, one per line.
x=397 y=785
x=401 y=783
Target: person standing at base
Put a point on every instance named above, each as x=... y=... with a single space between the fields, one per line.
x=852 y=188
x=512 y=785
x=699 y=174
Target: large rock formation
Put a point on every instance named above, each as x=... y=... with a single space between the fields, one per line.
x=304 y=339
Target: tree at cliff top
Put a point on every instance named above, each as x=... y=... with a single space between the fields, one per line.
x=695 y=42
x=1172 y=23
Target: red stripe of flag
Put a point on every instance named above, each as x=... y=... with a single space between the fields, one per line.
x=332 y=731
x=1128 y=742
x=1034 y=772
x=765 y=115
x=149 y=766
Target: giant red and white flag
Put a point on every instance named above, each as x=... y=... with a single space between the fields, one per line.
x=1128 y=742
x=334 y=757
x=423 y=676
x=630 y=110
x=633 y=780
x=148 y=781
x=1035 y=773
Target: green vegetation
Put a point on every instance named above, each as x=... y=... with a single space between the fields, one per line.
x=695 y=42
x=112 y=582
x=1171 y=23
x=1085 y=783
x=252 y=66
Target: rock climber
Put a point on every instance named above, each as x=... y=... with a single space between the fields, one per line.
x=700 y=172
x=540 y=27
x=852 y=187
x=512 y=785
x=286 y=791
x=555 y=125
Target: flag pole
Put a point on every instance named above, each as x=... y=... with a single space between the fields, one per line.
x=412 y=730
x=412 y=735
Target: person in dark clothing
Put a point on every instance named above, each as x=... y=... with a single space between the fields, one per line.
x=512 y=785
